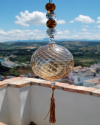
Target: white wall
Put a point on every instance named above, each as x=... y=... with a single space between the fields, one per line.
x=19 y=101
x=14 y=106
x=25 y=105
x=71 y=108
x=32 y=103
x=3 y=106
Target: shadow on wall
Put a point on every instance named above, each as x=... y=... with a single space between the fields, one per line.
x=3 y=106
x=25 y=105
x=32 y=123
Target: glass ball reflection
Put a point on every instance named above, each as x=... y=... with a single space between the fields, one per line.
x=52 y=62
x=51 y=32
x=51 y=15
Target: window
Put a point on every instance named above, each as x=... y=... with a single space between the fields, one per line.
x=78 y=79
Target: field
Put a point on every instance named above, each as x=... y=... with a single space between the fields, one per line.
x=25 y=70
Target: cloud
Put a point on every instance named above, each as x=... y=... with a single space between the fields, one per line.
x=37 y=30
x=63 y=32
x=83 y=33
x=98 y=20
x=35 y=18
x=84 y=19
x=98 y=26
x=85 y=26
x=2 y=32
x=16 y=34
x=61 y=22
x=66 y=32
x=72 y=21
x=79 y=35
x=84 y=29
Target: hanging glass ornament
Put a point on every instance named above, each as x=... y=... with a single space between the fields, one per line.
x=50 y=7
x=51 y=32
x=52 y=61
x=51 y=23
x=51 y=15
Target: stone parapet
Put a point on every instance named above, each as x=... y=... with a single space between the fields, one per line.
x=2 y=123
x=23 y=100
x=19 y=82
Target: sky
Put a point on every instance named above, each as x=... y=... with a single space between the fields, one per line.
x=26 y=19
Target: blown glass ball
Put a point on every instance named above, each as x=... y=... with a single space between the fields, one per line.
x=51 y=32
x=50 y=7
x=52 y=62
x=51 y=15
x=51 y=23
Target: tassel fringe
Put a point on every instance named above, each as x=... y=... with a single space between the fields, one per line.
x=52 y=118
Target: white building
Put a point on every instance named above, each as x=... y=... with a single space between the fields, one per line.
x=8 y=64
x=92 y=82
x=85 y=74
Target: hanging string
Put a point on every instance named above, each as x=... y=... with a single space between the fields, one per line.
x=50 y=1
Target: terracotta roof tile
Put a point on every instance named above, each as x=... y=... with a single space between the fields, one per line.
x=77 y=67
x=83 y=70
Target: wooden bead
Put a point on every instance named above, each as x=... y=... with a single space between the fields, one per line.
x=50 y=7
x=51 y=23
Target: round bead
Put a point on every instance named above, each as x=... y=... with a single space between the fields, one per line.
x=52 y=62
x=50 y=7
x=51 y=23
x=51 y=32
x=51 y=15
x=51 y=39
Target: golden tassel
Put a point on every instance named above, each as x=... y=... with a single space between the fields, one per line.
x=52 y=118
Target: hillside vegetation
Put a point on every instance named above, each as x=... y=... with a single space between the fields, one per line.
x=85 y=53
